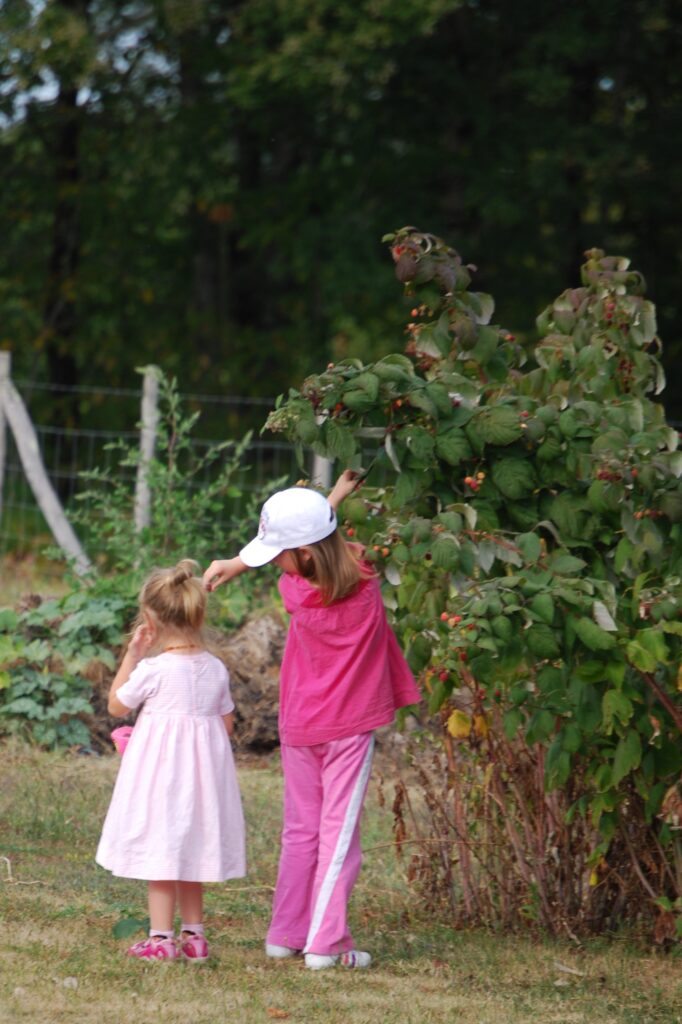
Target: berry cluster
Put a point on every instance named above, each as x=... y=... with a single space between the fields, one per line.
x=452 y=620
x=625 y=368
x=608 y=474
x=474 y=482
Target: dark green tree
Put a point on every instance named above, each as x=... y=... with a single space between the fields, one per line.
x=202 y=183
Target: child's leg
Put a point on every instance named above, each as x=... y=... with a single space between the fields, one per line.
x=298 y=857
x=345 y=774
x=161 y=896
x=193 y=945
x=191 y=902
x=161 y=944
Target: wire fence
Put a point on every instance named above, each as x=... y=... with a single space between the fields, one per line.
x=69 y=452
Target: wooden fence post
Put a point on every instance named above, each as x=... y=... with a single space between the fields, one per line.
x=5 y=368
x=26 y=441
x=149 y=419
x=321 y=475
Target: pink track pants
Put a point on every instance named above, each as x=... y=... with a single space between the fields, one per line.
x=324 y=790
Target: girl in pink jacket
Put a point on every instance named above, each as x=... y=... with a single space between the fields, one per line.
x=343 y=675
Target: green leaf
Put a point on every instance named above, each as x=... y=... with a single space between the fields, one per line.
x=640 y=657
x=407 y=486
x=624 y=551
x=420 y=399
x=568 y=423
x=436 y=697
x=572 y=738
x=339 y=441
x=566 y=565
x=502 y=627
x=542 y=605
x=627 y=757
x=513 y=720
x=540 y=727
x=592 y=635
x=542 y=641
x=440 y=396
x=530 y=546
x=445 y=553
x=419 y=443
x=367 y=382
x=8 y=620
x=514 y=477
x=307 y=429
x=488 y=338
x=499 y=425
x=550 y=449
x=418 y=653
x=452 y=446
x=557 y=765
x=654 y=642
x=566 y=511
x=128 y=926
x=452 y=520
x=394 y=367
x=357 y=400
x=616 y=706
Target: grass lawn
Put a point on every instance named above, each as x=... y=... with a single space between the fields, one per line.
x=60 y=962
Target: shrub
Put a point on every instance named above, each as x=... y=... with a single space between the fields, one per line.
x=529 y=538
x=53 y=652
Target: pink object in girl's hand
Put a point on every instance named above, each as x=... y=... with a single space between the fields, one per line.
x=120 y=737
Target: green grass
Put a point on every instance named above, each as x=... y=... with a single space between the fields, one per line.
x=59 y=961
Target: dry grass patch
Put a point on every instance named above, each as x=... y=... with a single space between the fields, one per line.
x=59 y=961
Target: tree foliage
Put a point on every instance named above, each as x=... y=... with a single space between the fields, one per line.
x=200 y=184
x=527 y=504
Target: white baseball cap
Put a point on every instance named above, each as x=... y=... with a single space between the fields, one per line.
x=288 y=520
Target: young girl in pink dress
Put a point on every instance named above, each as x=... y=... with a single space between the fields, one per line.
x=175 y=817
x=342 y=676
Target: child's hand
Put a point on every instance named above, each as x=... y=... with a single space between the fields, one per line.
x=141 y=642
x=349 y=480
x=222 y=570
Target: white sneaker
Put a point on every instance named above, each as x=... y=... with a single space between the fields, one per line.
x=353 y=958
x=280 y=952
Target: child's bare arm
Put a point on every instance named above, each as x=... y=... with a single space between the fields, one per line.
x=345 y=485
x=141 y=641
x=228 y=719
x=222 y=570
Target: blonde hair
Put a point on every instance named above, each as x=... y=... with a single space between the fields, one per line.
x=175 y=598
x=333 y=565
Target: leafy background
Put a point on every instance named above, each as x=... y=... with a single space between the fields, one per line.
x=204 y=184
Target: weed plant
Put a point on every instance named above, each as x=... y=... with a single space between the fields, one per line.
x=53 y=652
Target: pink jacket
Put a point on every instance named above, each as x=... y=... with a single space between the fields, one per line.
x=342 y=672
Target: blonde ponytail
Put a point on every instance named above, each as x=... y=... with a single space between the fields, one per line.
x=176 y=597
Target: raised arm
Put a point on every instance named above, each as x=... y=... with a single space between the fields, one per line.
x=141 y=641
x=345 y=485
x=222 y=570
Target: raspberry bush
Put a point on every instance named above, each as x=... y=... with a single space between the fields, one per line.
x=523 y=505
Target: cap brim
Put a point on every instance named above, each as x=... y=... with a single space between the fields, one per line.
x=256 y=553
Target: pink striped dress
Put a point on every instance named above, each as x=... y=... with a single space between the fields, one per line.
x=176 y=813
